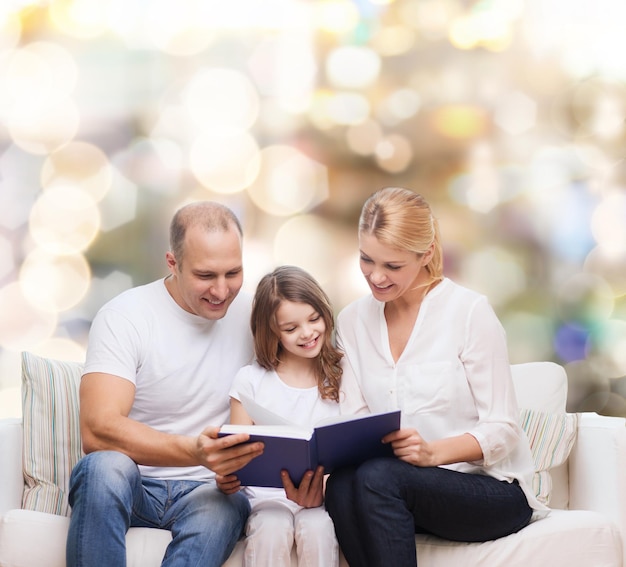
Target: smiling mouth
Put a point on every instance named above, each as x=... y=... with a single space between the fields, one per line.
x=310 y=343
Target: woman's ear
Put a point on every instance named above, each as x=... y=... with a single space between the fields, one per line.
x=428 y=255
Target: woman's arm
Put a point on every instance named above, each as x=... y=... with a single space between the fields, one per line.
x=409 y=446
x=351 y=399
x=488 y=371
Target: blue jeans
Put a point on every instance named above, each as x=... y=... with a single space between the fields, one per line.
x=108 y=496
x=378 y=508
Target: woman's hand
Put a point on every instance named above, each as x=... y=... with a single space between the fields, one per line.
x=408 y=445
x=228 y=484
x=310 y=492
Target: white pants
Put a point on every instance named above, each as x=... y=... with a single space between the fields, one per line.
x=275 y=524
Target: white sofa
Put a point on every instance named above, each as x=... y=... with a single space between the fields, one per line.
x=585 y=528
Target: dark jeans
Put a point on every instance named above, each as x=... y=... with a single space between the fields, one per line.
x=378 y=508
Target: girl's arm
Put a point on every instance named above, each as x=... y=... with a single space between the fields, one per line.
x=238 y=414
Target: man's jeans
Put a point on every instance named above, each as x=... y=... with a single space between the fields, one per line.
x=108 y=496
x=380 y=506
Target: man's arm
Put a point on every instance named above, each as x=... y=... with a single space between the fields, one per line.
x=105 y=402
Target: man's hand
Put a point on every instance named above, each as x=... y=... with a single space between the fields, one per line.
x=225 y=455
x=310 y=492
x=228 y=484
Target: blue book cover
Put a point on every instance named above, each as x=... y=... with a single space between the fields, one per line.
x=333 y=443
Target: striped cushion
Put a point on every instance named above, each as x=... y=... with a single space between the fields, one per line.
x=551 y=437
x=51 y=437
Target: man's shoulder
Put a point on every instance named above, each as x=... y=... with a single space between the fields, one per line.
x=240 y=307
x=144 y=292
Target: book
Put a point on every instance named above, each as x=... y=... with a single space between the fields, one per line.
x=345 y=440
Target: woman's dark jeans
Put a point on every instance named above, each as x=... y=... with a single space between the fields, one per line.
x=378 y=508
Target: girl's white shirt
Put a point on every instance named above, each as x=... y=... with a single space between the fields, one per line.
x=300 y=406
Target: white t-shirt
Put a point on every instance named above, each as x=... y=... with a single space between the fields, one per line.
x=301 y=406
x=182 y=365
x=453 y=377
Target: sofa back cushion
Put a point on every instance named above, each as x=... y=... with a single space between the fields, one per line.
x=541 y=389
x=51 y=431
x=540 y=386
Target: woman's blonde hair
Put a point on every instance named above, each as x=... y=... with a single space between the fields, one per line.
x=402 y=219
x=290 y=283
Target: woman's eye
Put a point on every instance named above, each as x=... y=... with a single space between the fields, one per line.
x=367 y=260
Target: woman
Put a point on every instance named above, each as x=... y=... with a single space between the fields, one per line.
x=435 y=350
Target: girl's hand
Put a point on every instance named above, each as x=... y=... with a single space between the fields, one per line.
x=408 y=445
x=310 y=492
x=228 y=484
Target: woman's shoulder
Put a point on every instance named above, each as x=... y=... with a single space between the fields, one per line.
x=449 y=289
x=362 y=306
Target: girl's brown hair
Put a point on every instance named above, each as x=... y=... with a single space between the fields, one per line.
x=402 y=219
x=291 y=283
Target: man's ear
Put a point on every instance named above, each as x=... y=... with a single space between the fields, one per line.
x=171 y=262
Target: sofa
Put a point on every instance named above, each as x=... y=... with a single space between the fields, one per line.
x=579 y=464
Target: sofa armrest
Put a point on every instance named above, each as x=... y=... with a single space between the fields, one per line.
x=11 y=477
x=597 y=465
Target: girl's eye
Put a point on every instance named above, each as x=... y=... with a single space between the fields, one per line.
x=315 y=318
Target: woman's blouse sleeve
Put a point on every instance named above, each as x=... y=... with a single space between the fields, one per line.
x=486 y=363
x=351 y=399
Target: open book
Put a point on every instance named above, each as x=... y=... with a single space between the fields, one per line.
x=333 y=443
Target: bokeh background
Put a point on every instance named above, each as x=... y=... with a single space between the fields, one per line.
x=507 y=115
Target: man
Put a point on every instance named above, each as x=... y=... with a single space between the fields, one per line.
x=160 y=362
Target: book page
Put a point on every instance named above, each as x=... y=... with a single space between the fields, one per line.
x=261 y=415
x=284 y=431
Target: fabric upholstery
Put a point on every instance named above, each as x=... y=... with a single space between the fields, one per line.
x=51 y=431
x=551 y=437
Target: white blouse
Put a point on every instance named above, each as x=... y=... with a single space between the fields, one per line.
x=453 y=377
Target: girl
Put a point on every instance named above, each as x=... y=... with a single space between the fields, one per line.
x=296 y=375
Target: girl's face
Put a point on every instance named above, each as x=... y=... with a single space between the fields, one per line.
x=302 y=329
x=389 y=272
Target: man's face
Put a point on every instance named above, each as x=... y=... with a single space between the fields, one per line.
x=211 y=274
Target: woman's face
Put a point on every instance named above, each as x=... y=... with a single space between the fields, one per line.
x=390 y=272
